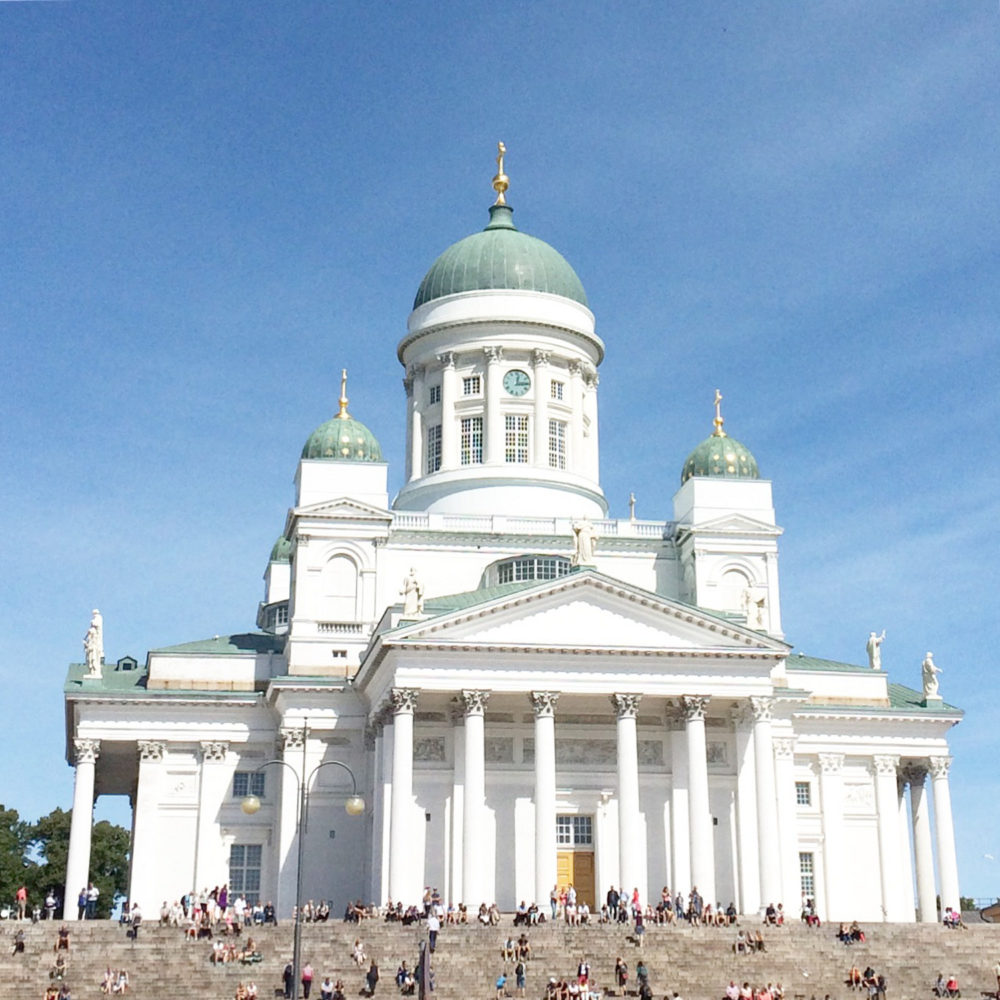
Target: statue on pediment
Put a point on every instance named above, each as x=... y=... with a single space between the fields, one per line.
x=585 y=541
x=93 y=644
x=413 y=595
x=930 y=670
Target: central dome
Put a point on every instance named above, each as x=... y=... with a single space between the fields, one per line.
x=500 y=257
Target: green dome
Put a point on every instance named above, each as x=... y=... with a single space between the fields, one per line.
x=500 y=257
x=721 y=455
x=343 y=439
x=282 y=550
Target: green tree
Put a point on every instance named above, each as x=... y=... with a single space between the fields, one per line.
x=15 y=867
x=109 y=847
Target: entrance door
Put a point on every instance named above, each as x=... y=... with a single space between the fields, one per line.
x=575 y=858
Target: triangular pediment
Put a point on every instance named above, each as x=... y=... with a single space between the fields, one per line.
x=343 y=508
x=587 y=611
x=739 y=524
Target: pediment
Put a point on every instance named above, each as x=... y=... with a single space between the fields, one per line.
x=588 y=611
x=342 y=508
x=737 y=524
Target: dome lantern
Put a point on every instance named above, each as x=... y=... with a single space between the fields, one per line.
x=720 y=455
x=343 y=439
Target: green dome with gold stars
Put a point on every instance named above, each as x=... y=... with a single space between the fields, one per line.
x=343 y=439
x=720 y=455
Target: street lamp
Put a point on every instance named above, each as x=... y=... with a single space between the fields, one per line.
x=354 y=806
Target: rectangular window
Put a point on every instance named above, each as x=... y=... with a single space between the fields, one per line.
x=557 y=444
x=248 y=783
x=575 y=831
x=807 y=874
x=244 y=871
x=434 y=448
x=556 y=389
x=472 y=386
x=803 y=793
x=435 y=394
x=471 y=442
x=516 y=438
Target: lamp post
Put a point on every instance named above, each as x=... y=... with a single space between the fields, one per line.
x=354 y=806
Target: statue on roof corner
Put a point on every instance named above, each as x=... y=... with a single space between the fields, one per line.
x=413 y=595
x=930 y=671
x=93 y=644
x=874 y=648
x=585 y=541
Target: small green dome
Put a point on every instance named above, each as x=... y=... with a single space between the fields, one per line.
x=721 y=455
x=500 y=257
x=282 y=550
x=343 y=439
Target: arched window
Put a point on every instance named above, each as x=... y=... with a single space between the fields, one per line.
x=732 y=585
x=340 y=577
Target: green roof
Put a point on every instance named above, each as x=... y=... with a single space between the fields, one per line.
x=229 y=645
x=799 y=661
x=111 y=679
x=721 y=455
x=500 y=257
x=906 y=698
x=282 y=550
x=343 y=439
x=470 y=598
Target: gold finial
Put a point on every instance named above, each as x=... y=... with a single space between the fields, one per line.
x=501 y=182
x=718 y=421
x=343 y=414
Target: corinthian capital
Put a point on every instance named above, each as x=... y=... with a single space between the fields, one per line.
x=626 y=705
x=447 y=359
x=885 y=763
x=831 y=763
x=494 y=355
x=544 y=703
x=215 y=750
x=150 y=749
x=784 y=748
x=474 y=702
x=761 y=708
x=403 y=701
x=694 y=707
x=291 y=739
x=938 y=766
x=86 y=751
x=540 y=357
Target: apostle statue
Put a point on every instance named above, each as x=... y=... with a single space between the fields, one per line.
x=930 y=671
x=874 y=648
x=93 y=644
x=585 y=540
x=753 y=606
x=413 y=594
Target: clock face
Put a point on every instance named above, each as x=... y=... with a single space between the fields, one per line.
x=517 y=382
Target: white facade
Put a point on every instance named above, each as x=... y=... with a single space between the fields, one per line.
x=636 y=719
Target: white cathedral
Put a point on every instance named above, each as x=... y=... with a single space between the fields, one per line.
x=526 y=692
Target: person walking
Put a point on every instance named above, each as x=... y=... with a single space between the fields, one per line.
x=307 y=980
x=288 y=977
x=371 y=978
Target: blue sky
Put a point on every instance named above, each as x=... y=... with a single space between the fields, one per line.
x=209 y=209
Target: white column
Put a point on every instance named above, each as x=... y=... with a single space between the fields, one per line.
x=629 y=859
x=292 y=746
x=86 y=753
x=415 y=373
x=788 y=833
x=945 y=830
x=680 y=836
x=408 y=389
x=457 y=800
x=540 y=361
x=746 y=812
x=544 y=704
x=831 y=793
x=449 y=429
x=403 y=879
x=590 y=466
x=884 y=772
x=211 y=865
x=702 y=832
x=905 y=867
x=494 y=419
x=922 y=849
x=475 y=879
x=575 y=460
x=145 y=869
x=773 y=594
x=767 y=814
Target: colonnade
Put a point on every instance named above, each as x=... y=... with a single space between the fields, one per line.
x=693 y=846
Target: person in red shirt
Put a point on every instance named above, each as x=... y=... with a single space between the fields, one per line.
x=22 y=902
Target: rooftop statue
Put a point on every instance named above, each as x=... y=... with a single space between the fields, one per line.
x=930 y=672
x=413 y=594
x=874 y=648
x=93 y=644
x=585 y=540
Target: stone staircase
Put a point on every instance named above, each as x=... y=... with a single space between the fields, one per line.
x=696 y=962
